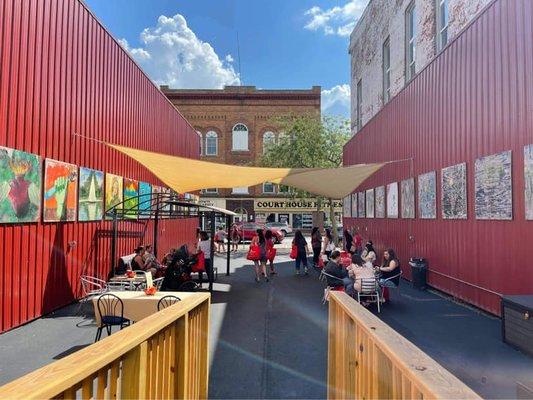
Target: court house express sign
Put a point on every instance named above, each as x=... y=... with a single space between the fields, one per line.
x=292 y=204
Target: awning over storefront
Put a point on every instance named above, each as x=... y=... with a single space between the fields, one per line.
x=188 y=175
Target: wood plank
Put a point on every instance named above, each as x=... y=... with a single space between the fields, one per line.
x=113 y=384
x=87 y=388
x=101 y=383
x=133 y=377
x=182 y=357
x=332 y=327
x=203 y=349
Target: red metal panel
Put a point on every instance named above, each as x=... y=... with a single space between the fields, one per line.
x=474 y=99
x=62 y=73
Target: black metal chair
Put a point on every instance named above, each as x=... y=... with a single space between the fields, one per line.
x=188 y=286
x=111 y=310
x=167 y=301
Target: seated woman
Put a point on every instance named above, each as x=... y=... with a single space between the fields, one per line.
x=390 y=272
x=339 y=275
x=178 y=270
x=360 y=270
x=137 y=264
x=369 y=254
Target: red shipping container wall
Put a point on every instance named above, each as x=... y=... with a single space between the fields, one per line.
x=475 y=99
x=62 y=73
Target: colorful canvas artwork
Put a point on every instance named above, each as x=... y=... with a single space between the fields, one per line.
x=131 y=199
x=427 y=195
x=408 y=198
x=380 y=202
x=113 y=193
x=145 y=203
x=494 y=187
x=60 y=191
x=370 y=203
x=454 y=200
x=392 y=200
x=20 y=186
x=528 y=179
x=90 y=195
x=361 y=212
x=354 y=205
x=347 y=206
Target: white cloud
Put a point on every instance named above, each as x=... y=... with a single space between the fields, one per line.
x=171 y=54
x=336 y=101
x=336 y=20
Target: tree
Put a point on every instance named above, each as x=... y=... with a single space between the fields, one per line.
x=306 y=141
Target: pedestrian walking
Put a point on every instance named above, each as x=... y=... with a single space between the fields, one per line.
x=260 y=262
x=348 y=242
x=220 y=239
x=234 y=235
x=301 y=251
x=316 y=244
x=271 y=251
x=204 y=246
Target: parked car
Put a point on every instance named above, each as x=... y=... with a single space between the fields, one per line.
x=248 y=230
x=280 y=226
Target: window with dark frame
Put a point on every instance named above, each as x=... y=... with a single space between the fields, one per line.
x=386 y=70
x=441 y=23
x=410 y=42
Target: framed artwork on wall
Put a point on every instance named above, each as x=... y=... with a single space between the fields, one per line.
x=145 y=192
x=90 y=195
x=361 y=205
x=528 y=179
x=60 y=191
x=131 y=200
x=113 y=193
x=354 y=205
x=494 y=187
x=408 y=198
x=392 y=200
x=380 y=202
x=370 y=203
x=454 y=197
x=427 y=195
x=347 y=207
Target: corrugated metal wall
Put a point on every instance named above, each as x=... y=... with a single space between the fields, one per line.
x=475 y=99
x=61 y=72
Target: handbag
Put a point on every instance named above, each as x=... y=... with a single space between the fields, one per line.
x=294 y=252
x=271 y=254
x=254 y=254
x=199 y=266
x=320 y=263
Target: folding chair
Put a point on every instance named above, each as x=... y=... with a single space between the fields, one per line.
x=370 y=289
x=167 y=301
x=111 y=311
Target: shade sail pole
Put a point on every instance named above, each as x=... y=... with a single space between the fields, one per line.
x=212 y=250
x=228 y=251
x=114 y=242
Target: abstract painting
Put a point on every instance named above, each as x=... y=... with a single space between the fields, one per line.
x=370 y=203
x=131 y=199
x=361 y=204
x=145 y=191
x=494 y=187
x=528 y=178
x=60 y=191
x=91 y=195
x=20 y=186
x=113 y=193
x=427 y=195
x=408 y=198
x=454 y=201
x=380 y=202
x=392 y=200
x=354 y=205
x=347 y=207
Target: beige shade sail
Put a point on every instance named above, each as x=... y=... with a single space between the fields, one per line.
x=188 y=175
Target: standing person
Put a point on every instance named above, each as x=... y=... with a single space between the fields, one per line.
x=204 y=245
x=301 y=251
x=358 y=243
x=329 y=244
x=348 y=241
x=270 y=250
x=221 y=239
x=234 y=235
x=260 y=264
x=316 y=244
x=390 y=272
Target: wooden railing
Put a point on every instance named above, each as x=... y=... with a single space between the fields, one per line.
x=162 y=356
x=369 y=360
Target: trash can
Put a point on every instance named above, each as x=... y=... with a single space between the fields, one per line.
x=419 y=267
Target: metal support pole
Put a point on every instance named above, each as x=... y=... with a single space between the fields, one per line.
x=210 y=275
x=114 y=243
x=156 y=229
x=228 y=253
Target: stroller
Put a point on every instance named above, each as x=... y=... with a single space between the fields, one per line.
x=178 y=274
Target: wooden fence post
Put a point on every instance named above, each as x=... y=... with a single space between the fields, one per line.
x=134 y=367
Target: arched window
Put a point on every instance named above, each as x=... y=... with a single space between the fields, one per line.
x=268 y=139
x=211 y=143
x=240 y=138
x=201 y=142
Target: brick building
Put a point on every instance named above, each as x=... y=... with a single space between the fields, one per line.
x=393 y=41
x=235 y=123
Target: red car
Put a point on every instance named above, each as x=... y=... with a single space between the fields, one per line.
x=248 y=230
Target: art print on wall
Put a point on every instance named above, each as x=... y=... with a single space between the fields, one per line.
x=370 y=203
x=454 y=200
x=60 y=191
x=528 y=179
x=113 y=193
x=91 y=195
x=131 y=200
x=380 y=202
x=361 y=205
x=392 y=200
x=347 y=206
x=408 y=198
x=354 y=205
x=20 y=186
x=145 y=203
x=494 y=187
x=427 y=195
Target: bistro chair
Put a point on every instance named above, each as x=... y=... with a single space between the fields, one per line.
x=139 y=285
x=158 y=282
x=118 y=286
x=328 y=289
x=396 y=287
x=370 y=290
x=91 y=286
x=167 y=301
x=111 y=311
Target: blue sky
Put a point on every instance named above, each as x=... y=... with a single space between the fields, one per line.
x=283 y=43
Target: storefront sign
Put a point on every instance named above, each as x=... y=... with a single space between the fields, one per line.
x=219 y=203
x=310 y=205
